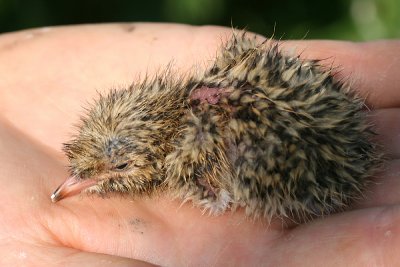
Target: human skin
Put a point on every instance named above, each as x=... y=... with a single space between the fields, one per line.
x=47 y=75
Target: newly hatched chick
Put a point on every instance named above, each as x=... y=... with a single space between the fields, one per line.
x=261 y=130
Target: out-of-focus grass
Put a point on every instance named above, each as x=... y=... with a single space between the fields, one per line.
x=289 y=19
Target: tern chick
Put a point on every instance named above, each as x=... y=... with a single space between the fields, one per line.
x=271 y=133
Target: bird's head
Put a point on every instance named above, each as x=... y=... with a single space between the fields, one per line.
x=118 y=148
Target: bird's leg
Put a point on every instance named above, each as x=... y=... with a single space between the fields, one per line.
x=209 y=190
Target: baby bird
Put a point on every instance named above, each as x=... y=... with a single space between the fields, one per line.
x=271 y=133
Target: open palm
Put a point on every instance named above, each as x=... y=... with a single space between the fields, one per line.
x=47 y=75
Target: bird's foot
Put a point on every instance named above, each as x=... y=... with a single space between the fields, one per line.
x=216 y=205
x=213 y=201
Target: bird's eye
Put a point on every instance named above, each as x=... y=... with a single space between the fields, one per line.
x=122 y=166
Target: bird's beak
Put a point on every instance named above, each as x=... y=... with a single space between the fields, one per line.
x=71 y=186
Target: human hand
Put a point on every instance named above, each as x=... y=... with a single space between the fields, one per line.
x=47 y=75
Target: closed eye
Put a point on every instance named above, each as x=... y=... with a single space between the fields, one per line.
x=122 y=166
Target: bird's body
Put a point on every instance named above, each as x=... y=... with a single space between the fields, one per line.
x=268 y=132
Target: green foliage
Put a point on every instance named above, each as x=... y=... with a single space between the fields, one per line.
x=287 y=19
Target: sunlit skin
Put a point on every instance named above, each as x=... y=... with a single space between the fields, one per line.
x=47 y=75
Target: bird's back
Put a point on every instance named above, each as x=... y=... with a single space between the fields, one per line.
x=273 y=133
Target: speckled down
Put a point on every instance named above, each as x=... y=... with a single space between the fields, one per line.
x=274 y=134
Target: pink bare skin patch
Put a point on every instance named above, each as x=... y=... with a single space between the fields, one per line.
x=211 y=96
x=206 y=95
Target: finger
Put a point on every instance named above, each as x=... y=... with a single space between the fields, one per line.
x=358 y=238
x=384 y=190
x=371 y=67
x=15 y=253
x=387 y=126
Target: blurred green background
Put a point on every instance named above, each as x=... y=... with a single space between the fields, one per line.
x=292 y=19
